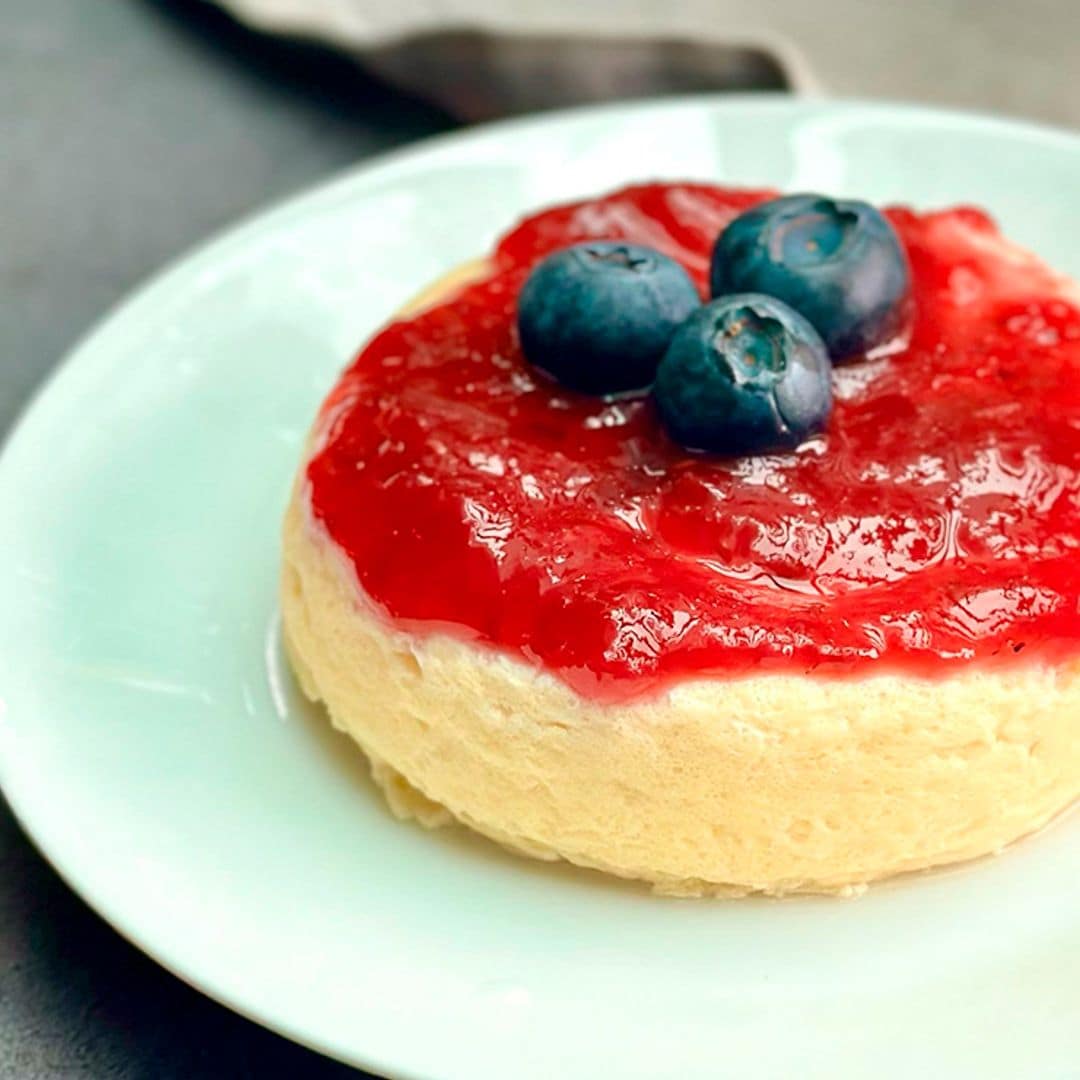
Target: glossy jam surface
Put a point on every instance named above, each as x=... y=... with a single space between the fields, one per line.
x=935 y=523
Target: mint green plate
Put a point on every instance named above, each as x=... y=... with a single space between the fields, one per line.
x=153 y=744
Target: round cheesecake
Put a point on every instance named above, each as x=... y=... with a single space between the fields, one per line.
x=799 y=671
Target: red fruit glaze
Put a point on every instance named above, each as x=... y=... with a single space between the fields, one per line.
x=935 y=523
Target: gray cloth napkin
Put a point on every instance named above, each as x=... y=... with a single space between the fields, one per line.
x=479 y=59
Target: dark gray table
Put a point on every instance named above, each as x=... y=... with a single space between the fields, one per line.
x=130 y=129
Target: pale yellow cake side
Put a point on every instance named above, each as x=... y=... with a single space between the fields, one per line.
x=775 y=783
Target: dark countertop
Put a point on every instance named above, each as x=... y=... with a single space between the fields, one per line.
x=131 y=129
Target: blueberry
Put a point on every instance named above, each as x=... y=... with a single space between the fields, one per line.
x=837 y=262
x=598 y=316
x=744 y=374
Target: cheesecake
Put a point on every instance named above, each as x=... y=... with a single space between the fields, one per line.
x=803 y=667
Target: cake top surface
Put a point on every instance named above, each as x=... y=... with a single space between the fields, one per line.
x=935 y=522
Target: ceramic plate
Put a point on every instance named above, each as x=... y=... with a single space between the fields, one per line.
x=154 y=746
